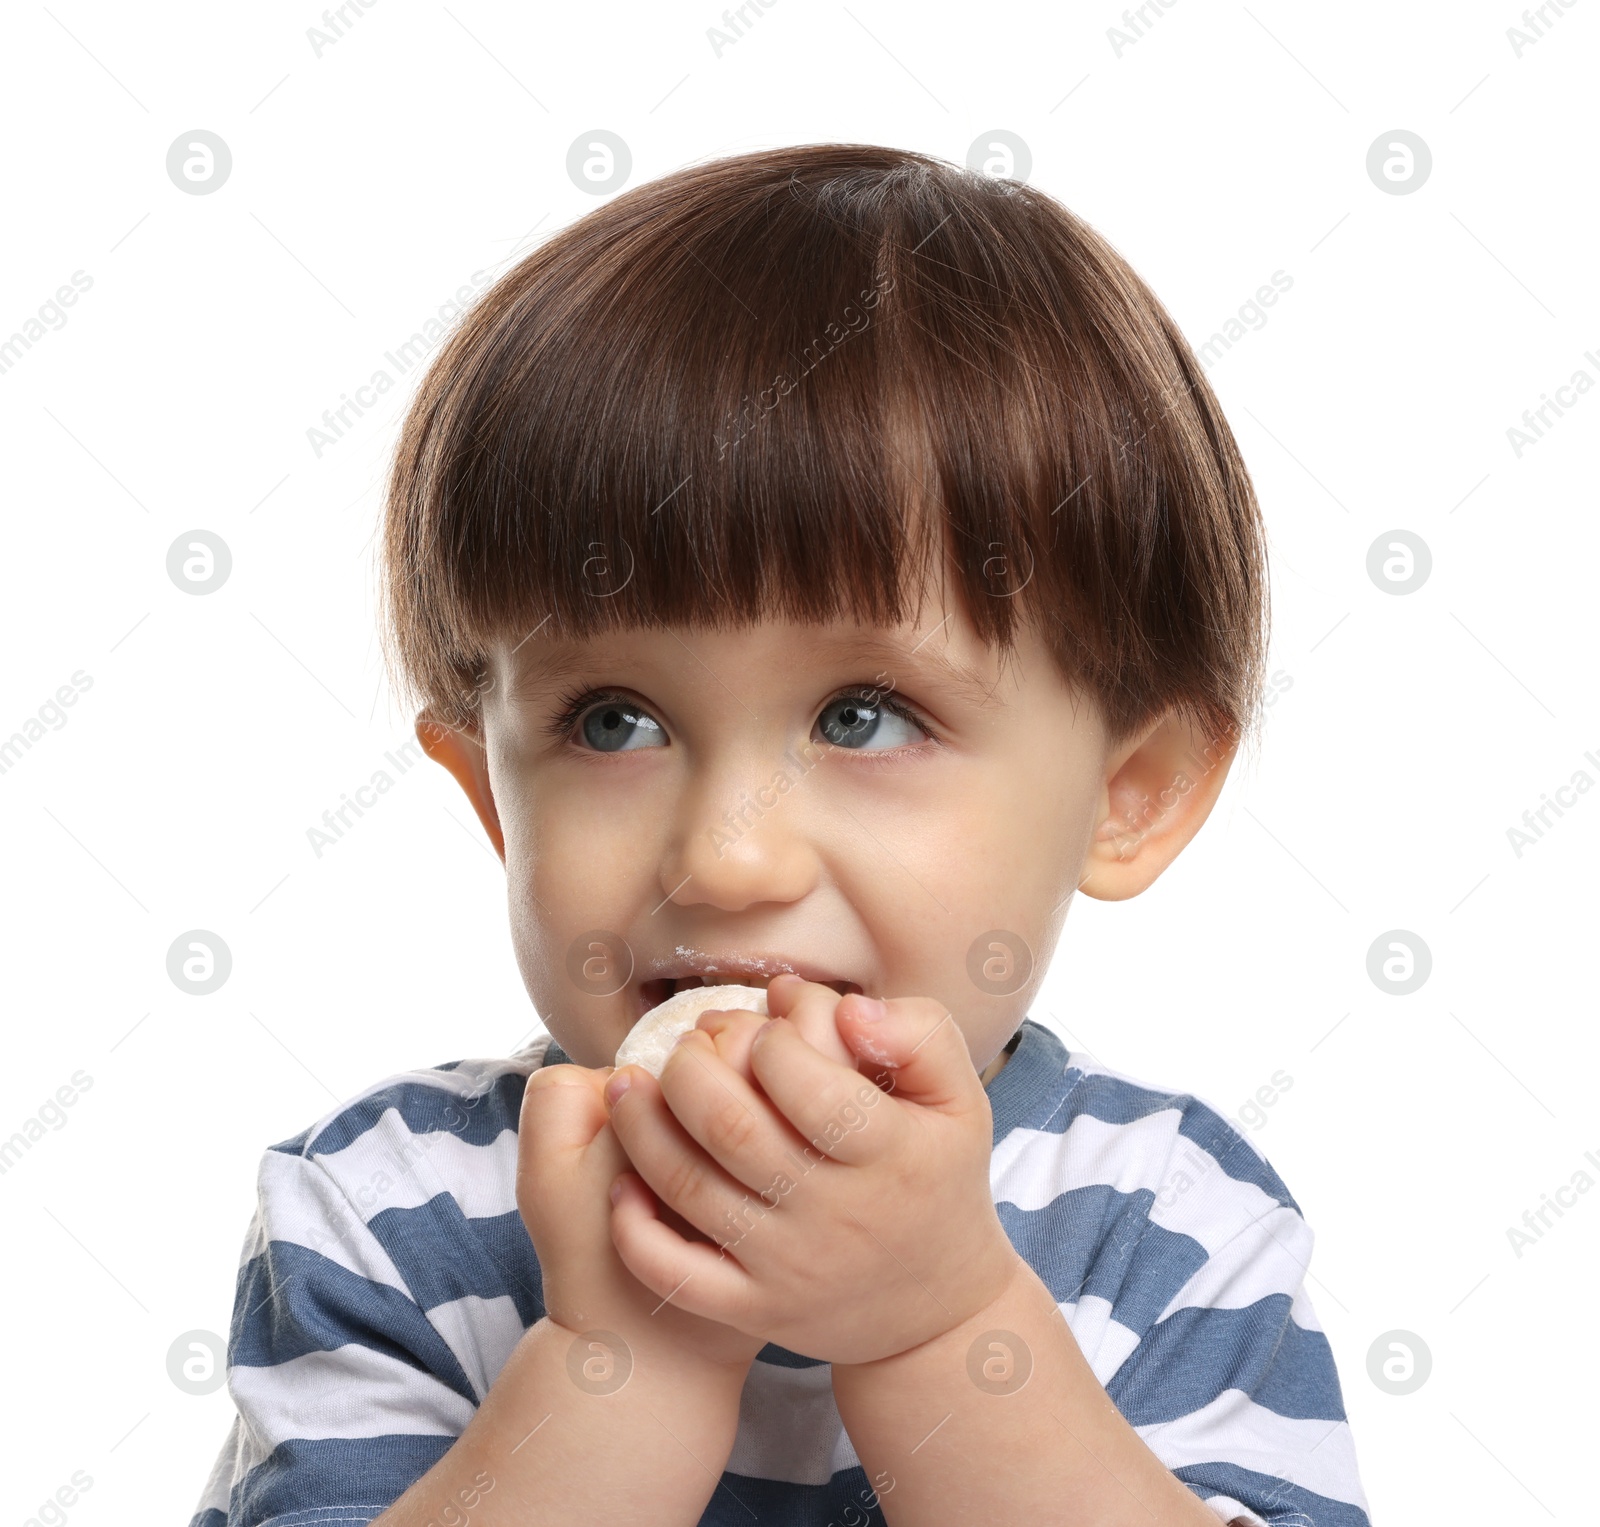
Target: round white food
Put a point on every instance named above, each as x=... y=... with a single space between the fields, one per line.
x=651 y=1039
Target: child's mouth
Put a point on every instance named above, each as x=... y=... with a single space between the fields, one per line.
x=654 y=992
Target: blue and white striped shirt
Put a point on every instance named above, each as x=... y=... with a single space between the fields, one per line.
x=387 y=1275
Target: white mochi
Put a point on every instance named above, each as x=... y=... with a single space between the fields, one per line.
x=651 y=1039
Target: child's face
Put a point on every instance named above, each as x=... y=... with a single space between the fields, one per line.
x=748 y=802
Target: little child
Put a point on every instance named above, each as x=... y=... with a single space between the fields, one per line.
x=815 y=566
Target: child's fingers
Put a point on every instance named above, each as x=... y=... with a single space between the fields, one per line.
x=565 y=1127
x=810 y=1007
x=664 y=1150
x=603 y=1159
x=732 y=1031
x=692 y=1275
x=563 y=1107
x=563 y=1136
x=735 y=1031
x=725 y=1112
x=840 y=1112
x=919 y=1041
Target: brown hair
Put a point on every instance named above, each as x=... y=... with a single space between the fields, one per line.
x=792 y=384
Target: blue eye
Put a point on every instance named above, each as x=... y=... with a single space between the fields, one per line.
x=865 y=723
x=614 y=726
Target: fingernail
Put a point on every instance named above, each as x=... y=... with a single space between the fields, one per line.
x=618 y=1084
x=616 y=1190
x=871 y=1009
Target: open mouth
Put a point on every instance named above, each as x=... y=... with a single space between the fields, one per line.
x=654 y=992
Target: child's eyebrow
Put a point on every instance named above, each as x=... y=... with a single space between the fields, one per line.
x=899 y=664
x=896 y=663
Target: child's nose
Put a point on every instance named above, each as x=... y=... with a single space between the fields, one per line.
x=741 y=843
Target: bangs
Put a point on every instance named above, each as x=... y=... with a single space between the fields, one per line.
x=811 y=385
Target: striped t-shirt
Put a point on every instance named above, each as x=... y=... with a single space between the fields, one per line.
x=387 y=1275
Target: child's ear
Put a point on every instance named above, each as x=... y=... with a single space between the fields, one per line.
x=1160 y=786
x=461 y=751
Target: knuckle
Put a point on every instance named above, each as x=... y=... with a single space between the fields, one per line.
x=730 y=1129
x=728 y=1029
x=682 y=1181
x=608 y=1156
x=746 y=1312
x=566 y=1072
x=549 y=1080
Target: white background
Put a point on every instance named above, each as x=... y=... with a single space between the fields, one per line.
x=368 y=184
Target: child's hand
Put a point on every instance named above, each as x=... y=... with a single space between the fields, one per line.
x=735 y=1029
x=567 y=1160
x=851 y=1230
